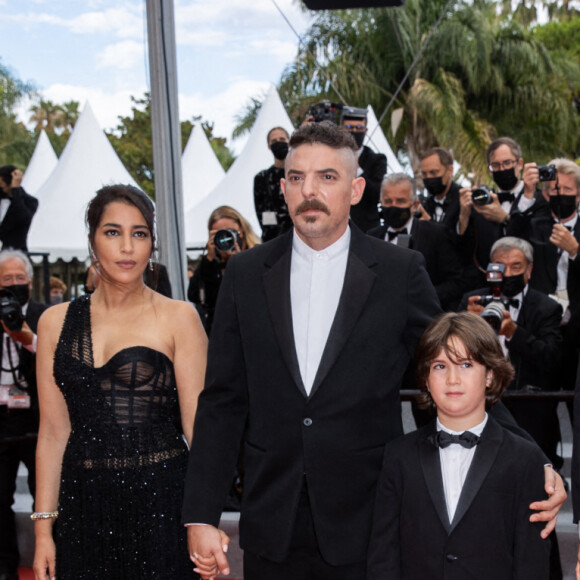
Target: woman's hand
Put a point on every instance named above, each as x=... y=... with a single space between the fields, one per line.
x=44 y=556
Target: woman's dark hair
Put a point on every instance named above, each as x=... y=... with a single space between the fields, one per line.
x=125 y=194
x=481 y=345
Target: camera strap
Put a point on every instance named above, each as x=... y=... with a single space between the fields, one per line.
x=8 y=346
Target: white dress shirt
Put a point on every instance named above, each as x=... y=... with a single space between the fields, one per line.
x=455 y=463
x=564 y=257
x=395 y=240
x=316 y=281
x=514 y=313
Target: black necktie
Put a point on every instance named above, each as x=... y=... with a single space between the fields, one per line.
x=443 y=439
x=505 y=196
x=393 y=234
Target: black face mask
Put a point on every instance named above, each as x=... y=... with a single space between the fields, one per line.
x=21 y=292
x=506 y=179
x=563 y=206
x=434 y=185
x=279 y=150
x=513 y=285
x=396 y=217
x=359 y=137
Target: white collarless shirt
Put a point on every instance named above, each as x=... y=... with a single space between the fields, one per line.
x=316 y=281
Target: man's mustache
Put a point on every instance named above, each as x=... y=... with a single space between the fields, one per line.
x=312 y=204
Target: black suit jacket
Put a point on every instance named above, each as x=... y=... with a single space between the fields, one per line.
x=442 y=259
x=490 y=535
x=24 y=421
x=333 y=439
x=450 y=208
x=535 y=348
x=16 y=223
x=365 y=214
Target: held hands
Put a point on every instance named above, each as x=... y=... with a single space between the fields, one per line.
x=492 y=212
x=548 y=509
x=207 y=547
x=212 y=252
x=563 y=239
x=44 y=558
x=531 y=178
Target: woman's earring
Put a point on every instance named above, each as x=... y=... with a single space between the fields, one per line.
x=151 y=264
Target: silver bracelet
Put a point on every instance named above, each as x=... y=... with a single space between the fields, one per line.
x=44 y=515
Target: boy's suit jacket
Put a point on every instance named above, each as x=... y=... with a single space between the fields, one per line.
x=490 y=536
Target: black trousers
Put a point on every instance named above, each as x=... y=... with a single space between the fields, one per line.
x=11 y=454
x=304 y=560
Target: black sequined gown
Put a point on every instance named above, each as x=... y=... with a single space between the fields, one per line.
x=124 y=465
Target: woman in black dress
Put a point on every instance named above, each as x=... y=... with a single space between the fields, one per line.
x=118 y=370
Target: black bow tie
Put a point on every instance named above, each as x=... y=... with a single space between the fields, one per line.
x=4 y=195
x=393 y=234
x=441 y=204
x=443 y=439
x=505 y=196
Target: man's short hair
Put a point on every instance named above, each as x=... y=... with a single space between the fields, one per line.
x=511 y=143
x=509 y=243
x=566 y=167
x=323 y=133
x=276 y=129
x=6 y=255
x=395 y=179
x=6 y=173
x=444 y=155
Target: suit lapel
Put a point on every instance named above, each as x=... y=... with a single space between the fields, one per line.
x=431 y=466
x=485 y=454
x=358 y=282
x=277 y=287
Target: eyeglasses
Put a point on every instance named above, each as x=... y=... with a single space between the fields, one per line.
x=507 y=164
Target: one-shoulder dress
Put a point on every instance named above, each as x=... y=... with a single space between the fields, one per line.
x=124 y=465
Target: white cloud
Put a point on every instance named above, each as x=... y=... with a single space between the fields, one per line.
x=122 y=55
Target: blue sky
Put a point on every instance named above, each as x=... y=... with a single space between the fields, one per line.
x=227 y=52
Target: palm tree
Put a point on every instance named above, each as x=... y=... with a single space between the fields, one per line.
x=45 y=115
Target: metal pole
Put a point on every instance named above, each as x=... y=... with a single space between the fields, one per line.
x=166 y=133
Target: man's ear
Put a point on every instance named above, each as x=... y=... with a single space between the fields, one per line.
x=358 y=188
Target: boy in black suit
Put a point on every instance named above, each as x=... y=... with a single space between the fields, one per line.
x=453 y=498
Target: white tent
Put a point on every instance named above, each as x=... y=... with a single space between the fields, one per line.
x=201 y=169
x=87 y=163
x=237 y=187
x=377 y=141
x=41 y=164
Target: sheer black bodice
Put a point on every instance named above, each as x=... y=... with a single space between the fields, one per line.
x=124 y=464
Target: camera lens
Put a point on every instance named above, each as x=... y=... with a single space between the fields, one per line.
x=225 y=240
x=480 y=196
x=493 y=314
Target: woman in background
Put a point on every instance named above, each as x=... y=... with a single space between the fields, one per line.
x=115 y=367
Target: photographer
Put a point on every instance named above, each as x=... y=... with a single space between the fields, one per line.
x=556 y=239
x=405 y=225
x=18 y=399
x=17 y=209
x=442 y=204
x=485 y=216
x=530 y=336
x=271 y=209
x=234 y=234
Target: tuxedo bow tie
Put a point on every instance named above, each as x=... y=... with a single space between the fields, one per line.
x=393 y=234
x=513 y=302
x=441 y=204
x=443 y=439
x=505 y=196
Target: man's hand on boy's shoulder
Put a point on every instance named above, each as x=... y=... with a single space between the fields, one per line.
x=547 y=510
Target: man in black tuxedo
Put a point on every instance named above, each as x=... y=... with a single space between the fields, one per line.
x=556 y=239
x=371 y=166
x=17 y=208
x=18 y=401
x=442 y=204
x=402 y=226
x=508 y=212
x=312 y=335
x=531 y=337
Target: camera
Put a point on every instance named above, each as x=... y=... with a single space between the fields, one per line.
x=226 y=240
x=481 y=195
x=495 y=304
x=325 y=111
x=547 y=172
x=10 y=310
